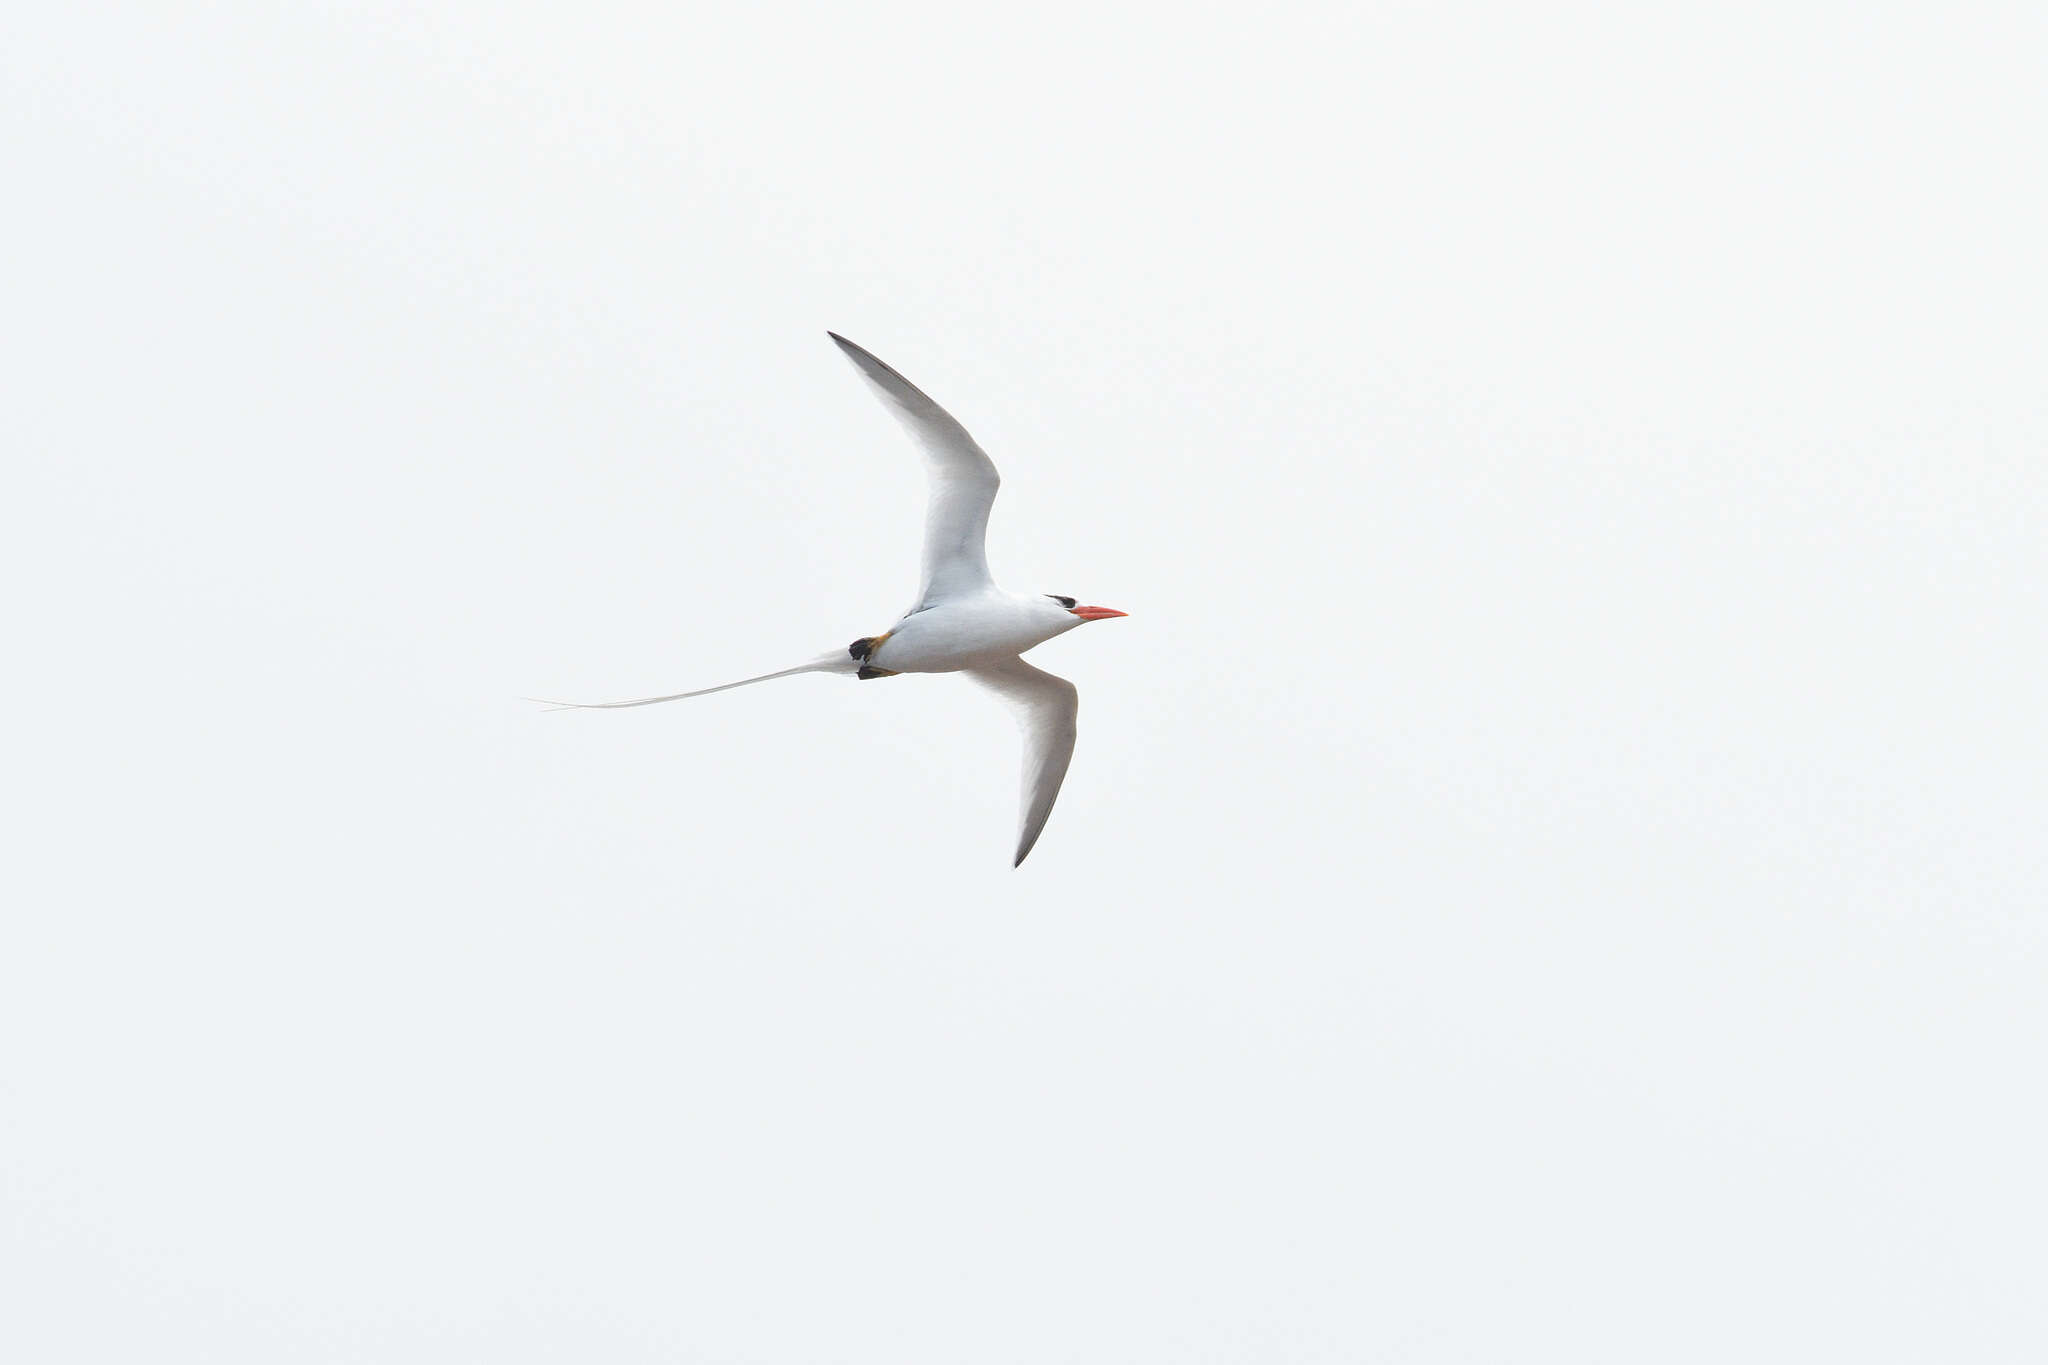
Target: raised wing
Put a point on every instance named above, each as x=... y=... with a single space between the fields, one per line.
x=1044 y=707
x=963 y=483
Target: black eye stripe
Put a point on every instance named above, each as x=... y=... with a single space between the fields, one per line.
x=1066 y=602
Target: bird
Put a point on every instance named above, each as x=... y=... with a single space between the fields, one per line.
x=961 y=621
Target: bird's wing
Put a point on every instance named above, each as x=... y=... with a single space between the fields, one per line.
x=1044 y=707
x=963 y=484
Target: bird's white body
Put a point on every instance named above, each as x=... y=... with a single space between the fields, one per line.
x=961 y=622
x=988 y=627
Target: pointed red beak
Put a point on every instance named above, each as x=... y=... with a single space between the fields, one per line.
x=1096 y=613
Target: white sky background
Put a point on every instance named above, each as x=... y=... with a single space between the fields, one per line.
x=1554 y=869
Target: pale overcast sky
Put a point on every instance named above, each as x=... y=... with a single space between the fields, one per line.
x=1554 y=868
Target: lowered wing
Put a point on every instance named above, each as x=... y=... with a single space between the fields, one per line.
x=1044 y=707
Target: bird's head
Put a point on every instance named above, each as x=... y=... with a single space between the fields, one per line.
x=1056 y=602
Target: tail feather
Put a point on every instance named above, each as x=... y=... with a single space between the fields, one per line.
x=835 y=662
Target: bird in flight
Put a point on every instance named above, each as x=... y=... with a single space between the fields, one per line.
x=961 y=622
